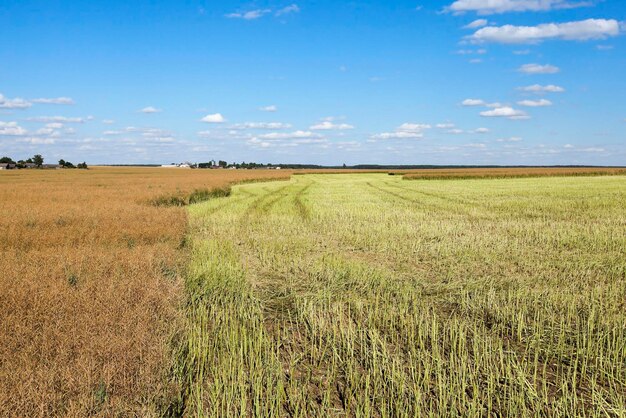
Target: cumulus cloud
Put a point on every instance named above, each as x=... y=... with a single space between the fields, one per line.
x=444 y=125
x=261 y=125
x=289 y=135
x=399 y=135
x=61 y=119
x=505 y=112
x=481 y=130
x=404 y=131
x=510 y=139
x=213 y=118
x=571 y=31
x=16 y=103
x=328 y=125
x=249 y=15
x=54 y=100
x=38 y=141
x=413 y=127
x=11 y=129
x=539 y=69
x=150 y=109
x=486 y=7
x=478 y=23
x=537 y=88
x=473 y=102
x=535 y=103
x=270 y=108
x=108 y=121
x=292 y=8
x=479 y=145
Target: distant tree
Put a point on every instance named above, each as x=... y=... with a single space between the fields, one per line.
x=6 y=160
x=29 y=161
x=62 y=162
x=222 y=163
x=68 y=165
x=82 y=165
x=37 y=160
x=344 y=165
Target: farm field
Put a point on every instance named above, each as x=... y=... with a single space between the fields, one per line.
x=90 y=286
x=369 y=295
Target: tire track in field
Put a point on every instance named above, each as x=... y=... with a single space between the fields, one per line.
x=265 y=202
x=303 y=211
x=463 y=210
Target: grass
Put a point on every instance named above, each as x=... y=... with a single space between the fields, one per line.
x=368 y=295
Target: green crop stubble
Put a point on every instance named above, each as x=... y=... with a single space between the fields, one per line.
x=366 y=295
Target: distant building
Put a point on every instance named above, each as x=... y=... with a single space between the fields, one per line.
x=7 y=166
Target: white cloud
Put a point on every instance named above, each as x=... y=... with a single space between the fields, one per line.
x=604 y=47
x=537 y=88
x=511 y=139
x=444 y=125
x=535 y=103
x=473 y=102
x=398 y=135
x=328 y=125
x=55 y=100
x=478 y=23
x=571 y=31
x=539 y=69
x=404 y=131
x=481 y=131
x=289 y=135
x=591 y=149
x=455 y=131
x=413 y=127
x=503 y=6
x=292 y=8
x=109 y=133
x=505 y=112
x=479 y=145
x=17 y=103
x=11 y=129
x=270 y=108
x=249 y=15
x=214 y=118
x=62 y=119
x=38 y=141
x=108 y=121
x=475 y=61
x=261 y=125
x=150 y=109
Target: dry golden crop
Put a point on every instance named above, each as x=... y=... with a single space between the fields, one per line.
x=89 y=286
x=510 y=172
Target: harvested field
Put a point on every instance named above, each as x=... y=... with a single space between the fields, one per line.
x=367 y=295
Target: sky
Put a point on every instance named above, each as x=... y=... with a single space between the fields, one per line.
x=505 y=82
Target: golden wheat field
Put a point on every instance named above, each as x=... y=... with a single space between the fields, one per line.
x=90 y=286
x=162 y=292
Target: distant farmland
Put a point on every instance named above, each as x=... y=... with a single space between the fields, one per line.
x=361 y=294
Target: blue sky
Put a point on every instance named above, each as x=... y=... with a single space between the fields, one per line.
x=407 y=82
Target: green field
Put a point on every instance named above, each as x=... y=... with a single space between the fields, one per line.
x=368 y=295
